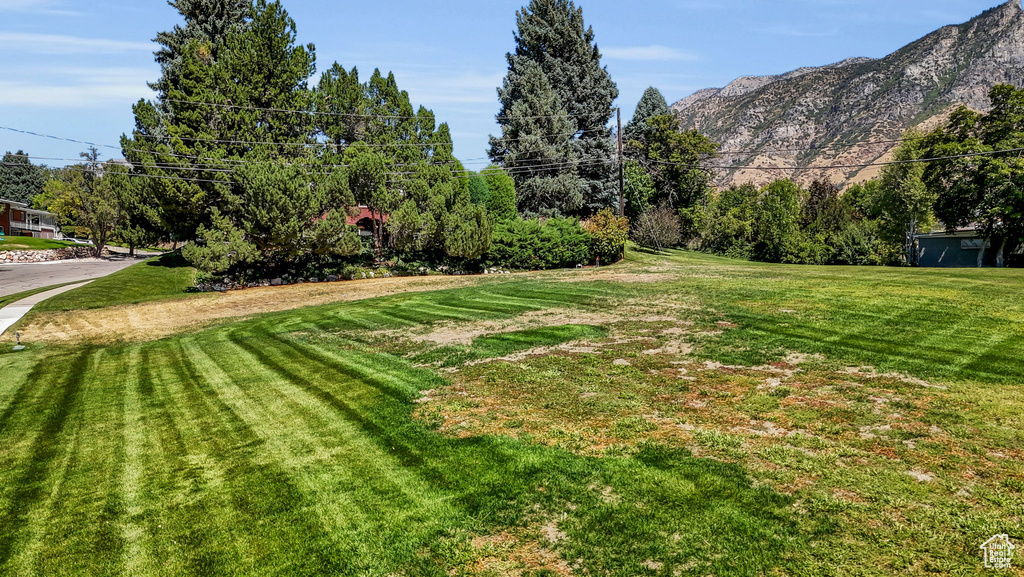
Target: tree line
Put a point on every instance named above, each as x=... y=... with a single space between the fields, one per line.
x=257 y=165
x=967 y=173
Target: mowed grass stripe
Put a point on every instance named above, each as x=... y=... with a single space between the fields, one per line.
x=197 y=475
x=20 y=371
x=346 y=397
x=379 y=416
x=76 y=524
x=135 y=558
x=274 y=428
x=34 y=464
x=432 y=312
x=367 y=370
x=286 y=419
x=360 y=491
x=266 y=506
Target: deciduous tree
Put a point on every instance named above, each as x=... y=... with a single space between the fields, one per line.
x=674 y=159
x=982 y=185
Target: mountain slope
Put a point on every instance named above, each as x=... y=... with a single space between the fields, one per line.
x=836 y=114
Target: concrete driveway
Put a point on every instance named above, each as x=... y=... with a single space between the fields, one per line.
x=16 y=278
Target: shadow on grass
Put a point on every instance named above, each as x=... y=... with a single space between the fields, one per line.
x=169 y=260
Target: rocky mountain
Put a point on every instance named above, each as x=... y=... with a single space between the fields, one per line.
x=843 y=114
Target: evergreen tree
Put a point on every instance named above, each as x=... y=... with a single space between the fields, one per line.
x=651 y=104
x=138 y=225
x=267 y=77
x=288 y=214
x=214 y=114
x=478 y=191
x=536 y=146
x=342 y=101
x=20 y=180
x=501 y=202
x=368 y=181
x=556 y=93
x=207 y=22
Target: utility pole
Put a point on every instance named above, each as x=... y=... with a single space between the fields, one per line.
x=622 y=176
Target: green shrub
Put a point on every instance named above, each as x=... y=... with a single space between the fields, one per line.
x=501 y=190
x=535 y=245
x=609 y=234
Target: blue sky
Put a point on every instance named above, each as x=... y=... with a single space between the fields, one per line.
x=73 y=68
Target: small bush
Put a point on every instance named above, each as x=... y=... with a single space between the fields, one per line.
x=657 y=228
x=609 y=234
x=535 y=245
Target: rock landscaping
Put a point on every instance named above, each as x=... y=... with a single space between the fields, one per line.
x=29 y=256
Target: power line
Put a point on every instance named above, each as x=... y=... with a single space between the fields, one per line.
x=30 y=133
x=824 y=147
x=137 y=175
x=513 y=170
x=520 y=169
x=217 y=162
x=351 y=114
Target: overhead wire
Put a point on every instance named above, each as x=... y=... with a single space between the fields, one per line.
x=351 y=114
x=201 y=164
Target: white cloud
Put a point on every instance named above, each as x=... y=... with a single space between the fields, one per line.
x=647 y=53
x=448 y=87
x=79 y=88
x=50 y=7
x=60 y=44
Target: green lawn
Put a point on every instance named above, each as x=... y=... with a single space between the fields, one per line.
x=653 y=423
x=160 y=278
x=32 y=243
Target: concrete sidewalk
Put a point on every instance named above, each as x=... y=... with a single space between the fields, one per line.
x=14 y=312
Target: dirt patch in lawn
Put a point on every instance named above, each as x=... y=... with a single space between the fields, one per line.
x=513 y=555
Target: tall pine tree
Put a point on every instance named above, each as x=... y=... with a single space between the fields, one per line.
x=651 y=104
x=553 y=40
x=536 y=146
x=213 y=116
x=206 y=21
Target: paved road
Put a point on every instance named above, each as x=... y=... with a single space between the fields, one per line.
x=16 y=278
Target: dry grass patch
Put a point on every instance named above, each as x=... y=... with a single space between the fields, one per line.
x=857 y=445
x=153 y=321
x=462 y=333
